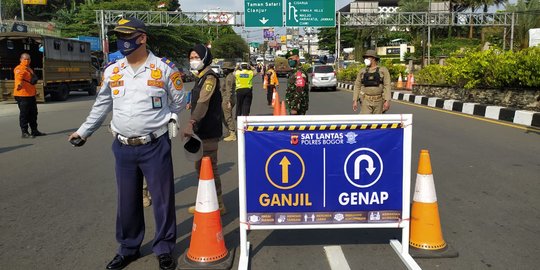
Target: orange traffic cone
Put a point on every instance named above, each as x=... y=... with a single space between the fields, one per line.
x=277 y=108
x=426 y=239
x=399 y=84
x=283 y=108
x=409 y=82
x=274 y=97
x=207 y=246
x=412 y=80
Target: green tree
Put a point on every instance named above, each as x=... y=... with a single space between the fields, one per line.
x=527 y=14
x=229 y=46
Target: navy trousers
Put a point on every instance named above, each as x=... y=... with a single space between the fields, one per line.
x=153 y=161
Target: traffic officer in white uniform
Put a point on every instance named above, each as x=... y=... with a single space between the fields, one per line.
x=145 y=94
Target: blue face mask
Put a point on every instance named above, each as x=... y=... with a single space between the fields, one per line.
x=292 y=63
x=127 y=46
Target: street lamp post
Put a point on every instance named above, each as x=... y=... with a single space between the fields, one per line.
x=22 y=11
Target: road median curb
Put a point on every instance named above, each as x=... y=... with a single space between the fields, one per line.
x=520 y=117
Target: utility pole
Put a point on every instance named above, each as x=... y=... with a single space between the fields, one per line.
x=22 y=11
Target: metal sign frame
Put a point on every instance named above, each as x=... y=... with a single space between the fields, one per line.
x=405 y=120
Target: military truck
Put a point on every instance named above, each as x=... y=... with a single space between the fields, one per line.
x=281 y=66
x=62 y=65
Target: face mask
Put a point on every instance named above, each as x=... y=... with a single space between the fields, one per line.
x=367 y=62
x=196 y=64
x=25 y=62
x=127 y=46
x=292 y=63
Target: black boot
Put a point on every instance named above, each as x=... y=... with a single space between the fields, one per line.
x=38 y=133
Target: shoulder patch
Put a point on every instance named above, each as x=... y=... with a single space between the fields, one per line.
x=168 y=62
x=209 y=83
x=109 y=64
x=176 y=79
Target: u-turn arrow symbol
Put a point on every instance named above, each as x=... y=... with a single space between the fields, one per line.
x=370 y=169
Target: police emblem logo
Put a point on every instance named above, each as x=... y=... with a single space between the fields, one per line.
x=127 y=45
x=115 y=70
x=176 y=78
x=123 y=21
x=351 y=137
x=155 y=74
x=294 y=139
x=116 y=77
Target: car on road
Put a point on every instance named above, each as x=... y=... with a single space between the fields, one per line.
x=322 y=76
x=269 y=57
x=217 y=69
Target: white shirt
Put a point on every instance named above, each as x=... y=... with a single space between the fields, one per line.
x=141 y=102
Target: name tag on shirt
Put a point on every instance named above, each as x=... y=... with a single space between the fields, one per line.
x=244 y=75
x=116 y=84
x=156 y=103
x=156 y=83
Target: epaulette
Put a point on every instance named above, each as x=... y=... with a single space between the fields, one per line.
x=168 y=62
x=109 y=64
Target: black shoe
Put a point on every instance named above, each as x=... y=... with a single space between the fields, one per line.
x=38 y=133
x=119 y=261
x=27 y=135
x=166 y=262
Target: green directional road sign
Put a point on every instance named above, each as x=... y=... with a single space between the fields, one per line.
x=311 y=13
x=263 y=13
x=254 y=44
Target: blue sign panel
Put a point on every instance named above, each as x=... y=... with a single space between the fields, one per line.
x=95 y=44
x=323 y=174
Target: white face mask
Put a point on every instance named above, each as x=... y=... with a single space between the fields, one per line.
x=367 y=62
x=196 y=64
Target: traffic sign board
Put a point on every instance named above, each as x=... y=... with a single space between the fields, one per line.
x=317 y=13
x=263 y=13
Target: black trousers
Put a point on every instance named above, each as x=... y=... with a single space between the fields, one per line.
x=270 y=93
x=244 y=97
x=28 y=113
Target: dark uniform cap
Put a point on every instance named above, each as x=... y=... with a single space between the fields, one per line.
x=129 y=26
x=292 y=52
x=371 y=53
x=228 y=65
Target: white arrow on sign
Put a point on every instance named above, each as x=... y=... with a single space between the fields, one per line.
x=264 y=20
x=370 y=169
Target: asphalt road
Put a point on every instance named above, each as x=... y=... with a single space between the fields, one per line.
x=58 y=203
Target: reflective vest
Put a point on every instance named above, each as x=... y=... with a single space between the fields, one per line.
x=244 y=79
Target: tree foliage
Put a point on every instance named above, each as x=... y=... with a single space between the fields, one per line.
x=229 y=46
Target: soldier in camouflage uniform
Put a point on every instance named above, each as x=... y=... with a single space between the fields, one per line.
x=297 y=93
x=372 y=86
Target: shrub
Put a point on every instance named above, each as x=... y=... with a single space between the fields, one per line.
x=348 y=74
x=432 y=74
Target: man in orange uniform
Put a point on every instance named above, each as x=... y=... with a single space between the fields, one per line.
x=25 y=95
x=273 y=83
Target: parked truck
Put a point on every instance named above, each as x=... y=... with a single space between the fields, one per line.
x=62 y=65
x=281 y=66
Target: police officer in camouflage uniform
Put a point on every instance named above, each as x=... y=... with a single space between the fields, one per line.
x=228 y=94
x=297 y=93
x=372 y=86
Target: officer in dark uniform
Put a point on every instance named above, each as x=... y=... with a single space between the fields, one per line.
x=372 y=86
x=206 y=114
x=145 y=94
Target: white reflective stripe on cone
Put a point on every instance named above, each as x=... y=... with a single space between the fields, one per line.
x=206 y=197
x=424 y=190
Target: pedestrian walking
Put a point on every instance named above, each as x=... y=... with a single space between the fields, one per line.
x=25 y=95
x=229 y=100
x=145 y=94
x=244 y=89
x=372 y=86
x=272 y=83
x=297 y=94
x=206 y=113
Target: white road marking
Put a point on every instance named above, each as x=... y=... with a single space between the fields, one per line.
x=336 y=258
